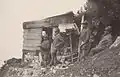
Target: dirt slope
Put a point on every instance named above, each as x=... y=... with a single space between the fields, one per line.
x=104 y=64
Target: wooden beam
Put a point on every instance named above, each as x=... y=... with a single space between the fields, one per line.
x=79 y=44
x=71 y=47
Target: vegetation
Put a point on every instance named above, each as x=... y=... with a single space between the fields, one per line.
x=106 y=11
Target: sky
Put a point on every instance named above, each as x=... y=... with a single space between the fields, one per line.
x=14 y=12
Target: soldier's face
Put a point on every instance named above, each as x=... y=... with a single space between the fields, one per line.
x=56 y=32
x=106 y=32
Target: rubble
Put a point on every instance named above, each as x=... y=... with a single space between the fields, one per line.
x=95 y=75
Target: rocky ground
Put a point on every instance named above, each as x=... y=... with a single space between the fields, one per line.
x=104 y=64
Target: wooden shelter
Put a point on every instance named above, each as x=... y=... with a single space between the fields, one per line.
x=33 y=31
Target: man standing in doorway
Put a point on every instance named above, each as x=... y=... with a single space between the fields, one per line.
x=44 y=49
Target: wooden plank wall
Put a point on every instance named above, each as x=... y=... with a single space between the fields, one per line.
x=32 y=39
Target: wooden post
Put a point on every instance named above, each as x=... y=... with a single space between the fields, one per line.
x=83 y=17
x=79 y=44
x=71 y=47
x=39 y=55
x=23 y=56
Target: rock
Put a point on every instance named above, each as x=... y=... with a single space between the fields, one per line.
x=88 y=75
x=71 y=75
x=35 y=74
x=95 y=75
x=119 y=54
x=62 y=76
x=54 y=71
x=116 y=43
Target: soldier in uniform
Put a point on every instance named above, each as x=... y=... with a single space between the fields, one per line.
x=45 y=49
x=105 y=42
x=84 y=40
x=57 y=44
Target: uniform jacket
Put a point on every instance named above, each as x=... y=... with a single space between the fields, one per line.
x=58 y=41
x=106 y=41
x=85 y=35
x=45 y=45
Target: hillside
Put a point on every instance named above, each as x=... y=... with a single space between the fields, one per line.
x=104 y=64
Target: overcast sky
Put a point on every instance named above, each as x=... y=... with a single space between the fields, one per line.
x=14 y=12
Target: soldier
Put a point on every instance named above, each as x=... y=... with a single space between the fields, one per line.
x=57 y=44
x=45 y=49
x=105 y=42
x=84 y=40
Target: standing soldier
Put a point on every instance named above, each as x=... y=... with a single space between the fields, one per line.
x=57 y=44
x=45 y=49
x=84 y=40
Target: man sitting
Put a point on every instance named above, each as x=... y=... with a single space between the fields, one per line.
x=105 y=42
